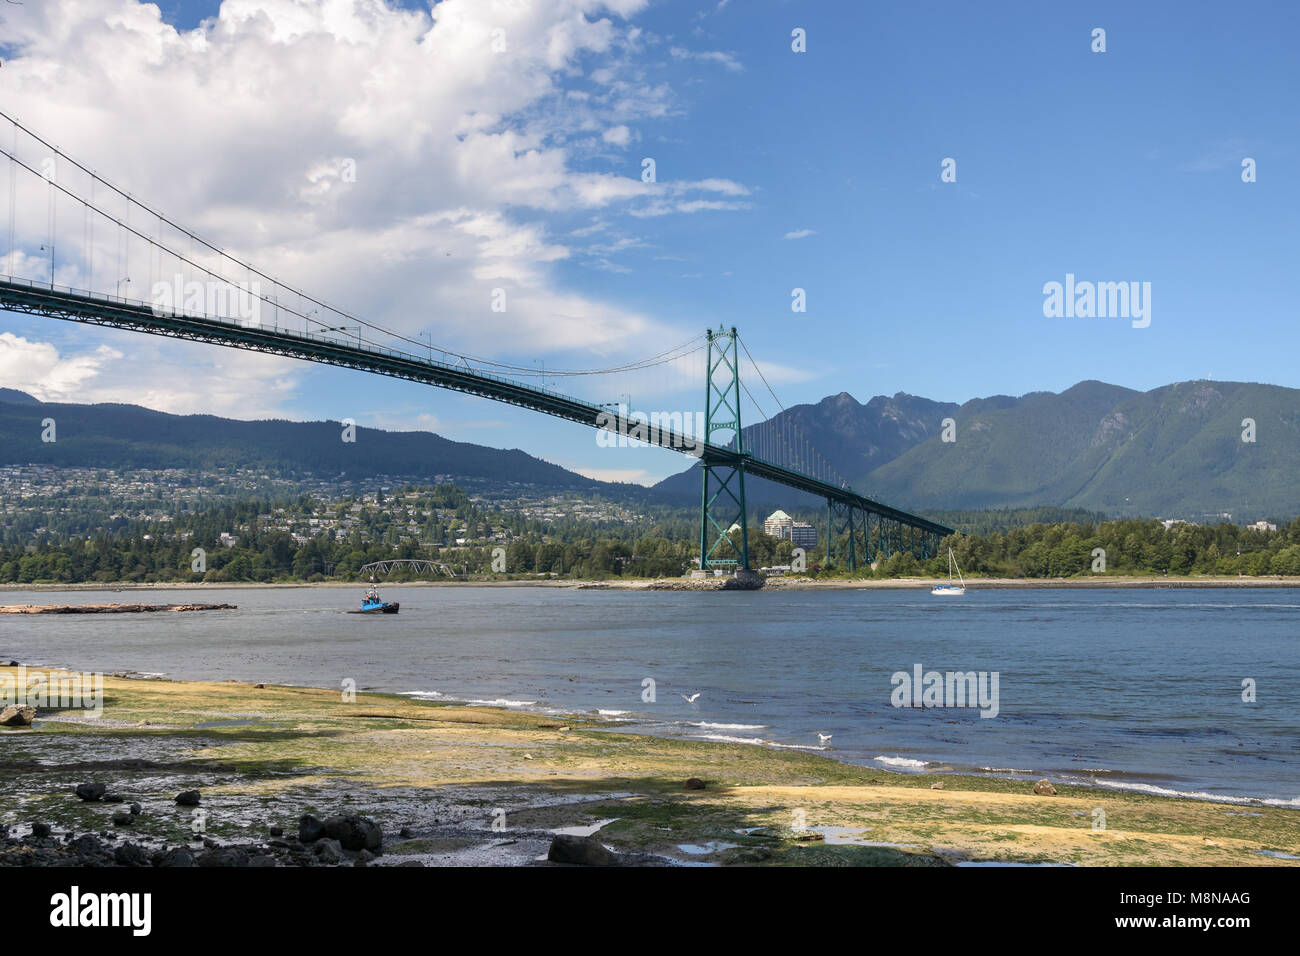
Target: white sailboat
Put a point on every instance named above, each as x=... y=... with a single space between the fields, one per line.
x=950 y=589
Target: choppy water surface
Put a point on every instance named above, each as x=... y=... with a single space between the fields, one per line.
x=1129 y=688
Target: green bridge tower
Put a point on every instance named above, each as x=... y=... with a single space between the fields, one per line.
x=724 y=531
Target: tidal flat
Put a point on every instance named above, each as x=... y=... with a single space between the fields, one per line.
x=461 y=785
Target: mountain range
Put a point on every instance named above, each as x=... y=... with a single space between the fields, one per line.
x=1193 y=450
x=131 y=437
x=1178 y=451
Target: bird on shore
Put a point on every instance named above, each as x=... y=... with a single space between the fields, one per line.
x=824 y=738
x=692 y=699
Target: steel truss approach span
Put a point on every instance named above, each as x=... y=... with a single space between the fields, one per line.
x=410 y=564
x=723 y=536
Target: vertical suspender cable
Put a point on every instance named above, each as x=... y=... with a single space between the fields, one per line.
x=51 y=174
x=90 y=278
x=13 y=194
x=85 y=244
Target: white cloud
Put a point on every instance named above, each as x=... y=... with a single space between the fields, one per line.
x=635 y=476
x=38 y=369
x=709 y=56
x=667 y=207
x=379 y=157
x=617 y=135
x=153 y=373
x=800 y=234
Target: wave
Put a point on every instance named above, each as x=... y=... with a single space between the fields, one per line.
x=901 y=762
x=1198 y=794
x=1279 y=802
x=724 y=738
x=421 y=694
x=502 y=702
x=710 y=726
x=758 y=741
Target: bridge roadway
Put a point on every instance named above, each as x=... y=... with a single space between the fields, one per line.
x=21 y=295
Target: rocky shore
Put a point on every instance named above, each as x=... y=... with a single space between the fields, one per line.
x=341 y=840
x=239 y=774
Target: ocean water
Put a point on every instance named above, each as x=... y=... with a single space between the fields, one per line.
x=1136 y=689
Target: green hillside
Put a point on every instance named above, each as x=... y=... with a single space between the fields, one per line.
x=130 y=437
x=1175 y=451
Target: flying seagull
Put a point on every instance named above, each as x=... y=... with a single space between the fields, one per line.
x=692 y=698
x=823 y=737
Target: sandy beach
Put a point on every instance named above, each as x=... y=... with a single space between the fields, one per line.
x=455 y=785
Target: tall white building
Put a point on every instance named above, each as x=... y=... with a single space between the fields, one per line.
x=781 y=525
x=778 y=524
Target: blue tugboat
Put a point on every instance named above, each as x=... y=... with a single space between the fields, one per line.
x=371 y=604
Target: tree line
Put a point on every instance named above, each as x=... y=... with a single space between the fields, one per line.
x=664 y=544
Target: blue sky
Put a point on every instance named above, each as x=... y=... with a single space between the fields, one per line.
x=1115 y=166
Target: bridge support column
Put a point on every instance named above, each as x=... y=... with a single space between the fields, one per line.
x=724 y=526
x=839 y=524
x=885 y=531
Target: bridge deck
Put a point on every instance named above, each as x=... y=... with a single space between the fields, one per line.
x=20 y=295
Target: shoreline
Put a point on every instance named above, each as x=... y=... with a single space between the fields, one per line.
x=918 y=764
x=664 y=584
x=434 y=775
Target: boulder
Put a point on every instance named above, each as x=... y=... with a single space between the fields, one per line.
x=583 y=851
x=354 y=832
x=937 y=785
x=131 y=854
x=328 y=852
x=275 y=831
x=91 y=791
x=89 y=850
x=17 y=716
x=188 y=798
x=40 y=830
x=179 y=856
x=123 y=819
x=1044 y=788
x=310 y=829
x=224 y=856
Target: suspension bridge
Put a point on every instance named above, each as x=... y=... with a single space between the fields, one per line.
x=95 y=234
